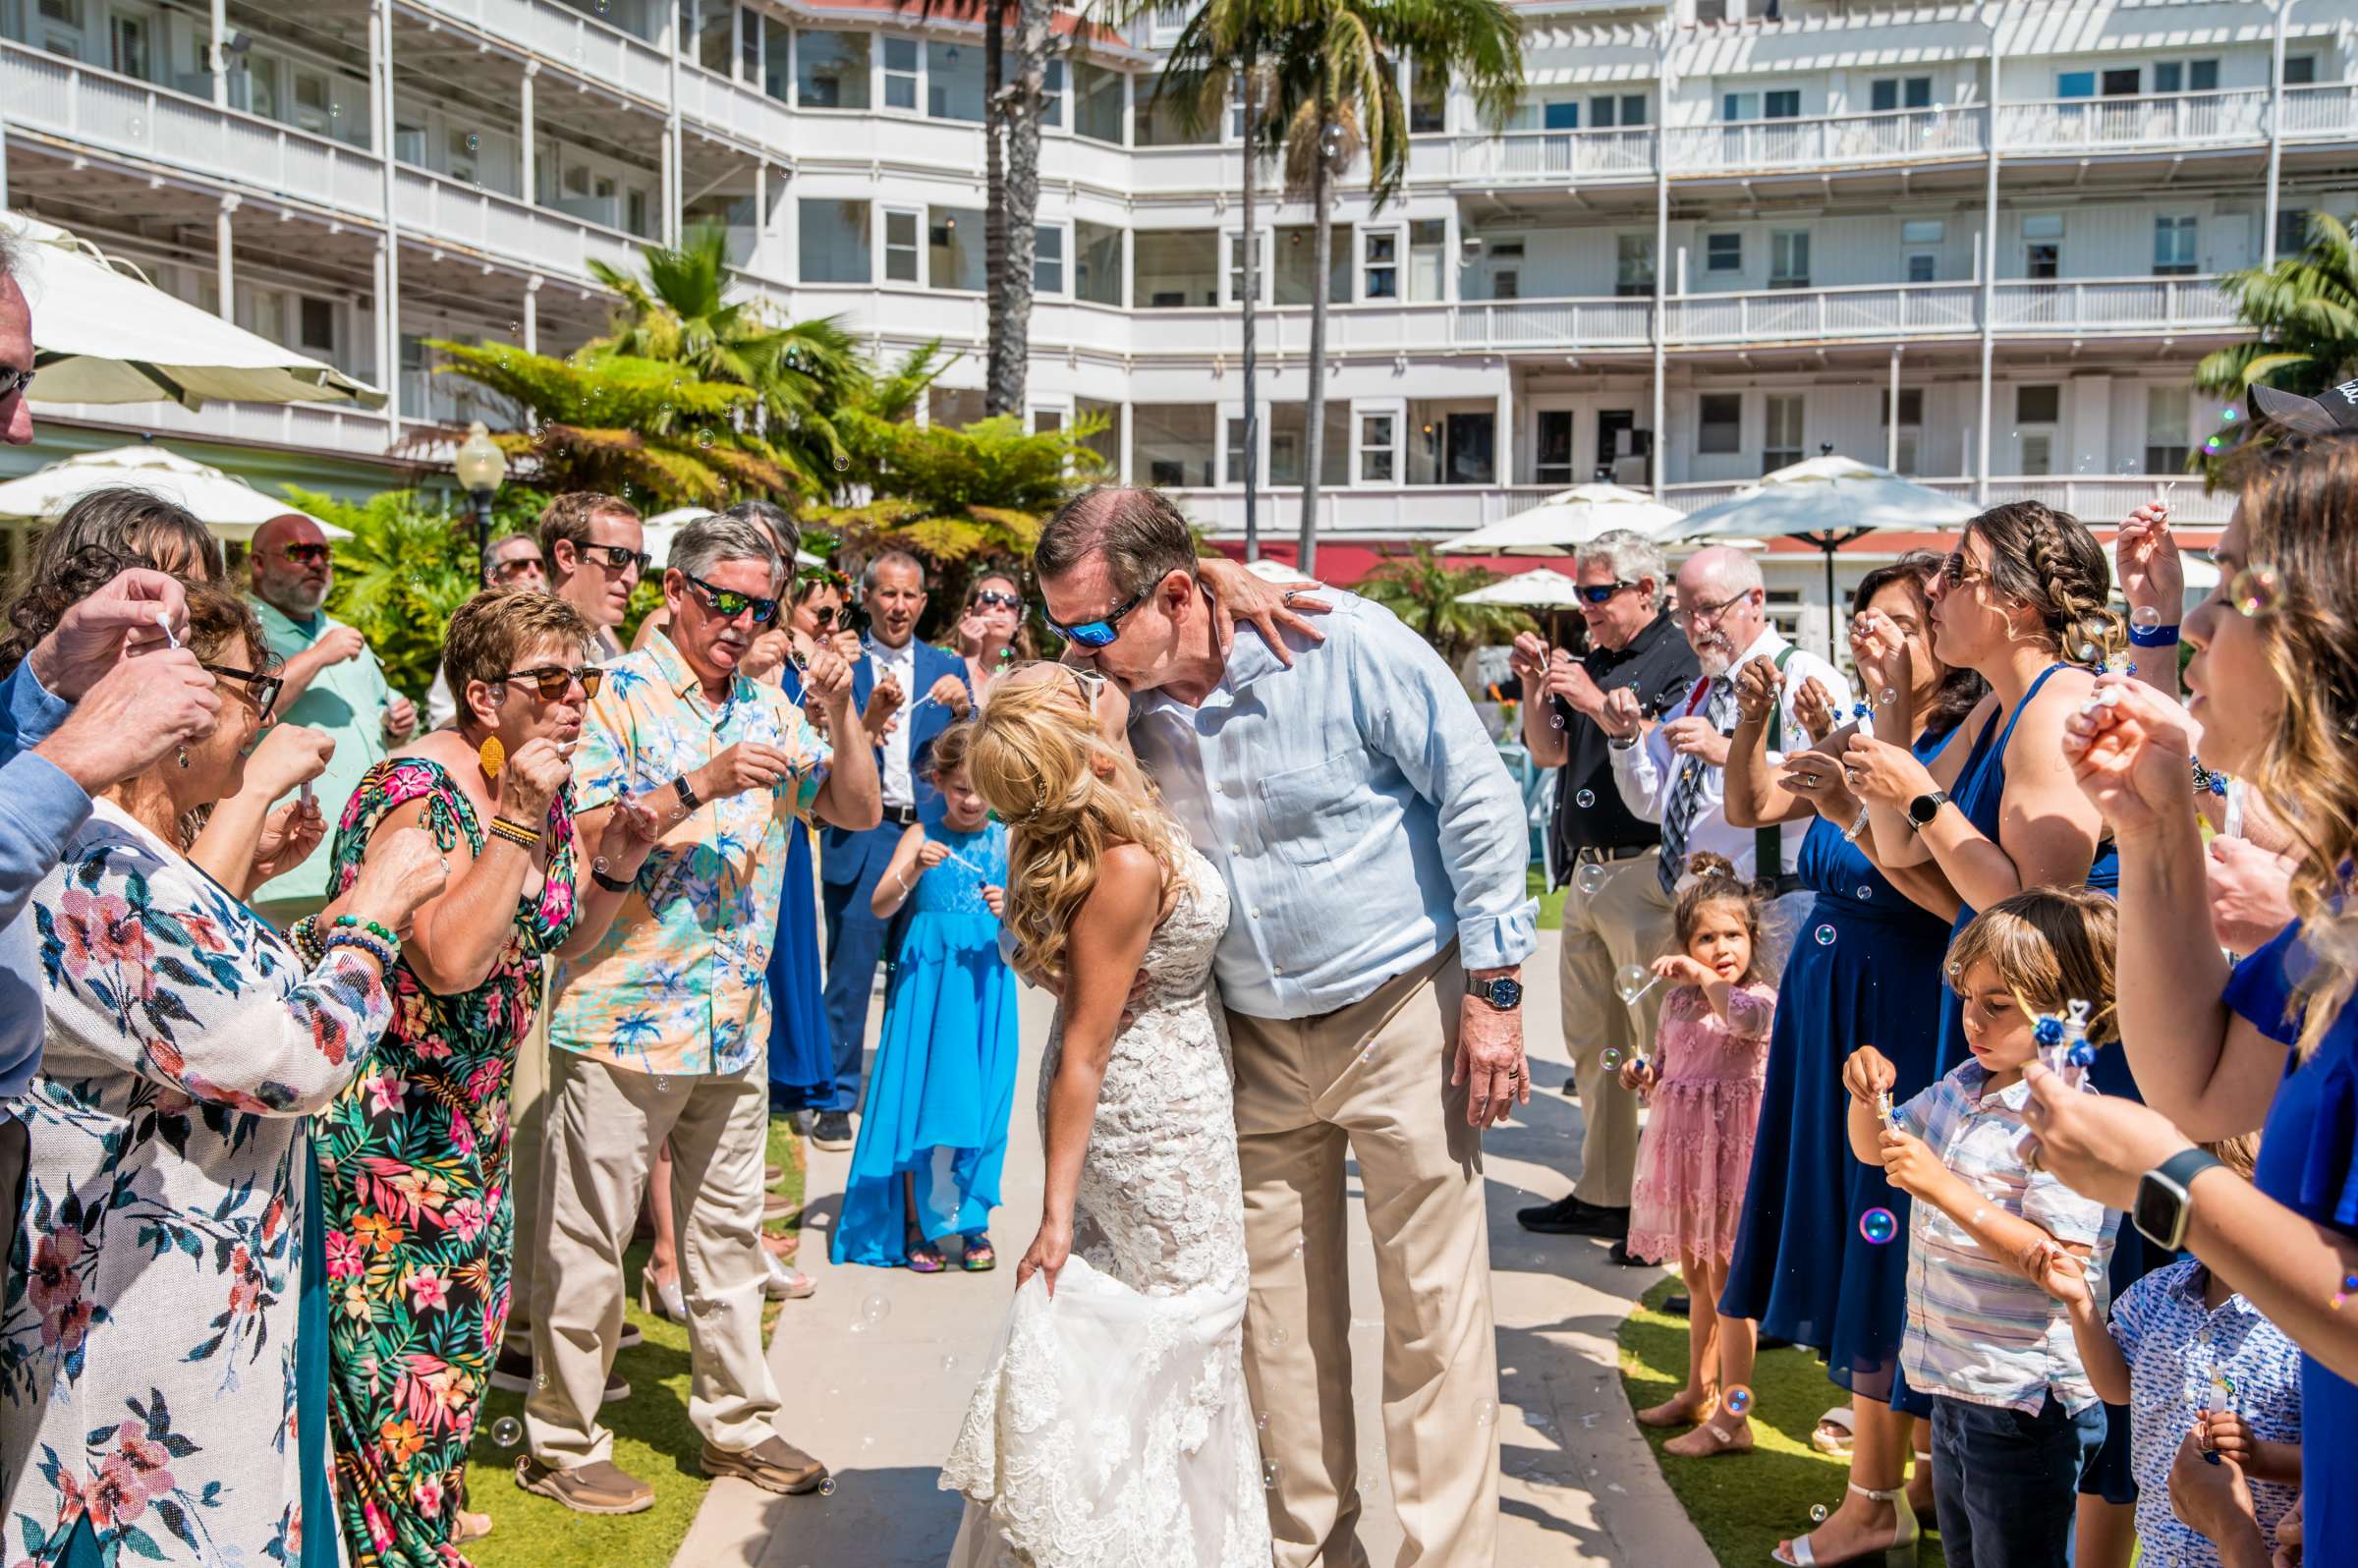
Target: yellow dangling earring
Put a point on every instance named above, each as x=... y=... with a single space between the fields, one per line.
x=491 y=757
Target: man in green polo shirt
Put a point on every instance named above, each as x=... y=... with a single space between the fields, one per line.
x=333 y=685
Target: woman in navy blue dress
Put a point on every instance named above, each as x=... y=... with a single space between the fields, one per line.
x=2274 y=686
x=1868 y=960
x=802 y=1062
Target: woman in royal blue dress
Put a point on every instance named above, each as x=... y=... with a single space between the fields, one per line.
x=1869 y=962
x=2273 y=685
x=933 y=1131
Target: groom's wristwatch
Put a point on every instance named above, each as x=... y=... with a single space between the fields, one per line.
x=1503 y=992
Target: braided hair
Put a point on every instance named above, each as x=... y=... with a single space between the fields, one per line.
x=2049 y=560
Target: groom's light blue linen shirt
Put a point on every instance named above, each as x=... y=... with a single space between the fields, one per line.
x=1360 y=813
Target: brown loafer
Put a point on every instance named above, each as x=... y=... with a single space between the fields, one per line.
x=597 y=1487
x=772 y=1175
x=775 y=1465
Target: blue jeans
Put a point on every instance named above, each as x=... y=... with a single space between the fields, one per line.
x=2005 y=1484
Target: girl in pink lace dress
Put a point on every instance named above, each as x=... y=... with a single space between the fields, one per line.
x=1704 y=1087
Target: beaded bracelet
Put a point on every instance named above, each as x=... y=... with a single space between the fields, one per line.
x=305 y=935
x=384 y=933
x=385 y=956
x=515 y=833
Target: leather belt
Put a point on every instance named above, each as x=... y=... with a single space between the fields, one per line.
x=901 y=815
x=1590 y=854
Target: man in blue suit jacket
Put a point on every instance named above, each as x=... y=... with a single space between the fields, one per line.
x=932 y=695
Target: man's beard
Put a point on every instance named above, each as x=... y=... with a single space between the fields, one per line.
x=305 y=599
x=1716 y=663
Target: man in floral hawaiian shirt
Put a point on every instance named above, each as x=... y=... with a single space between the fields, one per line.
x=658 y=1031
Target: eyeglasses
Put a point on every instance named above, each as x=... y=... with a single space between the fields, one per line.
x=554 y=681
x=616 y=556
x=2256 y=590
x=1092 y=683
x=261 y=690
x=1601 y=593
x=992 y=598
x=14 y=382
x=728 y=604
x=1102 y=632
x=1712 y=612
x=307 y=554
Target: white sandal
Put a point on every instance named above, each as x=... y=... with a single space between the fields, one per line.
x=1838 y=1447
x=1899 y=1552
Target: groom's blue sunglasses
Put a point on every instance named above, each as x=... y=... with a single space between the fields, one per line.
x=1102 y=632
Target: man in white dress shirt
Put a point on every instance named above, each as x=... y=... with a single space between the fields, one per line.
x=1672 y=773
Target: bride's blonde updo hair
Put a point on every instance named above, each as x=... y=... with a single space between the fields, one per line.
x=1036 y=759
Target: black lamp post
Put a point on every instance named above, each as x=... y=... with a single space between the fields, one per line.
x=481 y=466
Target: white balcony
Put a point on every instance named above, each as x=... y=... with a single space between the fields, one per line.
x=301 y=427
x=569 y=39
x=1548 y=156
x=733 y=109
x=1905 y=136
x=435 y=210
x=116 y=114
x=2152 y=120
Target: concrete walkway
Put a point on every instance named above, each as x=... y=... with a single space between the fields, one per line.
x=879 y=1399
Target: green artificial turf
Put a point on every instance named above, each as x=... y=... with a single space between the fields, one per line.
x=1743 y=1505
x=1552 y=904
x=652 y=1440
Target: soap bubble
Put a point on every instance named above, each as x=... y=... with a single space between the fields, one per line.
x=507 y=1432
x=875 y=1310
x=1610 y=1060
x=1631 y=980
x=842 y=462
x=1589 y=878
x=826 y=1488
x=1278 y=1335
x=1878 y=1226
x=1585 y=799
x=1486 y=1411
x=1817 y=1513
x=1269 y=1475
x=1865 y=891
x=2145 y=617
x=1826 y=936
x=703 y=438
x=1261 y=1422
x=949 y=1363
x=1738 y=1400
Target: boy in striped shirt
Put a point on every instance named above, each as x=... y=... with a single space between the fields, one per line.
x=2015 y=1420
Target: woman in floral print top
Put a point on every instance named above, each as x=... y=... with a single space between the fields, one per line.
x=414 y=1155
x=147 y=1382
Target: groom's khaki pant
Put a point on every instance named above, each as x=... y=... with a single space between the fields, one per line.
x=1370 y=1081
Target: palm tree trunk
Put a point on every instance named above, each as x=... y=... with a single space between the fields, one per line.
x=1252 y=298
x=1033 y=38
x=994 y=212
x=1313 y=411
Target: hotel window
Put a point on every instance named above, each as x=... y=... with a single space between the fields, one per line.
x=2187 y=76
x=1378 y=448
x=1563 y=114
x=1899 y=92
x=2292 y=231
x=1427 y=99
x=748 y=46
x=830 y=69
x=2167 y=418
x=1096 y=262
x=2036 y=412
x=1052 y=95
x=2173 y=246
x=1427 y=255
x=715 y=35
x=1781 y=105
x=2043 y=245
x=1783 y=436
x=2300 y=70
x=1911 y=425
x=900 y=73
x=1383 y=264
x=1607 y=110
x=1633 y=264
x=315 y=324
x=777 y=59
x=954 y=81
x=1790 y=258
x=1047 y=258
x=834 y=242
x=1919 y=241
x=1720 y=424
x=1098 y=102
x=900 y=247
x=2075 y=84
x=1552 y=463
x=1724 y=253
x=954 y=249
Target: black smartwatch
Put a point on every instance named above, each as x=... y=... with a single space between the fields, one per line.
x=2165 y=1201
x=1924 y=807
x=687 y=792
x=1505 y=992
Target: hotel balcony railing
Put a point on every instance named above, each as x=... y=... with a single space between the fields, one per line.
x=565 y=36
x=436 y=209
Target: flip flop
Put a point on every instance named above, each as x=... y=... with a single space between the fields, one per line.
x=981 y=1258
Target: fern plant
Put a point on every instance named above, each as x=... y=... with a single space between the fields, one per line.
x=2303 y=312
x=953 y=495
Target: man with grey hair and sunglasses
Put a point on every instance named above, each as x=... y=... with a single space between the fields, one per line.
x=660 y=1031
x=1374 y=847
x=1617 y=910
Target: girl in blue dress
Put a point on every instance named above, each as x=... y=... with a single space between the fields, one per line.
x=934 y=1130
x=1870 y=959
x=2273 y=683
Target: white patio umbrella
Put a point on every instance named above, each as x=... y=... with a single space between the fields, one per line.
x=1826 y=501
x=1271 y=570
x=1536 y=588
x=102 y=333
x=1567 y=520
x=230 y=507
x=664 y=527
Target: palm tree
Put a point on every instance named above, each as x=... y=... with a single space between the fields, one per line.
x=2303 y=314
x=680 y=314
x=1020 y=101
x=1428 y=597
x=1336 y=65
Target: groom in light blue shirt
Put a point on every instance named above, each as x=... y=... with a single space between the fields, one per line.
x=1374 y=850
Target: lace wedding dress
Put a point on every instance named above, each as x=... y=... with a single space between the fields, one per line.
x=1113 y=1428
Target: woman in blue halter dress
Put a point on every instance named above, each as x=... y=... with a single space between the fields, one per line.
x=2023 y=602
x=802 y=1062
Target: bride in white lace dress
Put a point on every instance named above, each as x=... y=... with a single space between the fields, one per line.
x=1112 y=1426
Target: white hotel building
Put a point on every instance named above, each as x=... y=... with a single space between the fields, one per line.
x=1719 y=235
